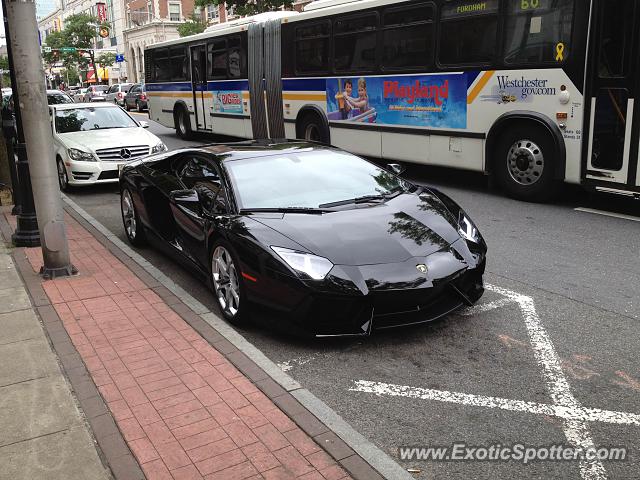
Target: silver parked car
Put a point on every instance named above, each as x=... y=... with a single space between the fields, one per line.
x=117 y=92
x=96 y=93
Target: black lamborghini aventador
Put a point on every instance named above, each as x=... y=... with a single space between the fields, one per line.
x=333 y=243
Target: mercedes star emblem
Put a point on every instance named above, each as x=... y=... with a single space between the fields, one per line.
x=125 y=153
x=422 y=268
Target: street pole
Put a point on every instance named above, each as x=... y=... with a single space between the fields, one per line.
x=26 y=233
x=29 y=72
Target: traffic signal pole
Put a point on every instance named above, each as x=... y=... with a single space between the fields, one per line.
x=30 y=83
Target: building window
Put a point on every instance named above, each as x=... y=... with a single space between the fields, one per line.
x=213 y=13
x=174 y=12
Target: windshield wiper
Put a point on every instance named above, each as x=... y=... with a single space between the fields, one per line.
x=364 y=199
x=310 y=210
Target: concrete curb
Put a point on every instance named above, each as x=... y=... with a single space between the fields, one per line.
x=373 y=455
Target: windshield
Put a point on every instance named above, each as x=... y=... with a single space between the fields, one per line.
x=58 y=98
x=307 y=179
x=83 y=119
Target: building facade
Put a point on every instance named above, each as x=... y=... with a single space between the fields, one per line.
x=45 y=7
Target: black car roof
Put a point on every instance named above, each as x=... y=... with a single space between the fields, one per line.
x=257 y=148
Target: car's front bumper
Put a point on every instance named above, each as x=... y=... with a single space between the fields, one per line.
x=354 y=301
x=91 y=173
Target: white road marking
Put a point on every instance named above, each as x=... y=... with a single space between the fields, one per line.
x=566 y=413
x=287 y=365
x=608 y=214
x=576 y=431
x=486 y=307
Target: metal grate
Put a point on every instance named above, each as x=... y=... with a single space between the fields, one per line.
x=120 y=154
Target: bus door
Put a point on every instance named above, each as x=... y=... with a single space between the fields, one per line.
x=614 y=123
x=199 y=83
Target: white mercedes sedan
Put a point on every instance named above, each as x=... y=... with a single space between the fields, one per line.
x=91 y=141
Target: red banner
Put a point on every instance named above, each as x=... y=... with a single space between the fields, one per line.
x=102 y=12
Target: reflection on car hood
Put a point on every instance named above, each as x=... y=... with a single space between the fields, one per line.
x=93 y=140
x=404 y=227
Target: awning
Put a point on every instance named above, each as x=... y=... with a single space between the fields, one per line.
x=103 y=72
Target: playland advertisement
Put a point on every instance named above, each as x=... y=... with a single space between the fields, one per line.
x=437 y=101
x=227 y=101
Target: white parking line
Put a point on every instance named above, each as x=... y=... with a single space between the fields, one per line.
x=608 y=214
x=576 y=431
x=564 y=405
x=567 y=413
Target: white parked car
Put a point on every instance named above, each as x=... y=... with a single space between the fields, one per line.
x=91 y=141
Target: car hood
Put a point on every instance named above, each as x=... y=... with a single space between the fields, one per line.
x=110 y=138
x=404 y=227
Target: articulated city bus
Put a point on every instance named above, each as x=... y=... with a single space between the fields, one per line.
x=534 y=92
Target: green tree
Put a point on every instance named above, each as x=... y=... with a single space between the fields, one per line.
x=4 y=66
x=249 y=7
x=106 y=59
x=192 y=26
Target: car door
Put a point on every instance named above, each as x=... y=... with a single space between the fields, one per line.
x=195 y=205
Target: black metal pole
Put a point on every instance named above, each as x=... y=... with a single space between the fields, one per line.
x=9 y=132
x=27 y=233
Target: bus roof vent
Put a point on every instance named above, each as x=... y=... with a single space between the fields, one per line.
x=259 y=18
x=318 y=4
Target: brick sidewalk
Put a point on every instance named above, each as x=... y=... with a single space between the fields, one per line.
x=183 y=409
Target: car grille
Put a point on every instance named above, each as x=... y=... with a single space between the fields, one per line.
x=119 y=154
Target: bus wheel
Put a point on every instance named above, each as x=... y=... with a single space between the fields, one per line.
x=182 y=122
x=313 y=129
x=524 y=164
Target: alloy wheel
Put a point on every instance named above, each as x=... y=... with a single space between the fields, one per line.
x=63 y=180
x=129 y=214
x=225 y=281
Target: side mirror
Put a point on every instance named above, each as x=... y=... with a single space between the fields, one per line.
x=396 y=168
x=143 y=124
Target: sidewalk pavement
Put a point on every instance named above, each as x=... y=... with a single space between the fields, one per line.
x=43 y=435
x=166 y=388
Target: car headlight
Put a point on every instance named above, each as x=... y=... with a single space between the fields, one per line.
x=467 y=229
x=161 y=147
x=311 y=265
x=80 y=156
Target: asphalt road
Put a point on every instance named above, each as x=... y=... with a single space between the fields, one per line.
x=566 y=330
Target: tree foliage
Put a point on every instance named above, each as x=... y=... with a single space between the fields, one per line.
x=192 y=26
x=249 y=7
x=79 y=31
x=106 y=59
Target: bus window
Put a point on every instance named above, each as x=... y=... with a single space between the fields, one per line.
x=538 y=31
x=354 y=46
x=616 y=37
x=468 y=32
x=312 y=48
x=217 y=59
x=236 y=58
x=407 y=38
x=161 y=65
x=178 y=64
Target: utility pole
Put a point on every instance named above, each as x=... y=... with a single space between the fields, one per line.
x=29 y=74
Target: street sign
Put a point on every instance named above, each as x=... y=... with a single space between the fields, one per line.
x=47 y=49
x=119 y=57
x=103 y=32
x=67 y=49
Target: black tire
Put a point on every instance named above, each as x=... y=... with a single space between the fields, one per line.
x=126 y=106
x=136 y=236
x=182 y=123
x=241 y=314
x=63 y=176
x=311 y=127
x=138 y=107
x=524 y=163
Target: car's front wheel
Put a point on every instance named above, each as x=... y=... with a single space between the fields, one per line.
x=63 y=177
x=132 y=226
x=228 y=286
